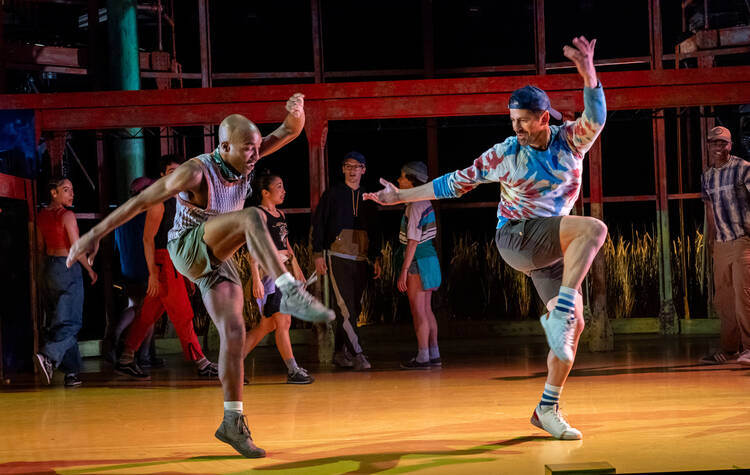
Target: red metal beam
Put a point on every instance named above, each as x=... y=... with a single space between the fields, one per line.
x=13 y=187
x=378 y=99
x=375 y=89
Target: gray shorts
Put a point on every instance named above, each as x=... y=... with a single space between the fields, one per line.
x=532 y=246
x=193 y=259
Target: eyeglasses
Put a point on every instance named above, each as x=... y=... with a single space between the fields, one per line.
x=353 y=167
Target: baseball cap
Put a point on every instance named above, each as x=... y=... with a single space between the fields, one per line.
x=720 y=133
x=532 y=98
x=355 y=156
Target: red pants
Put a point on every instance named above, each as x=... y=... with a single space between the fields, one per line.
x=173 y=298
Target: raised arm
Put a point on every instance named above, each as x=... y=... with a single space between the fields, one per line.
x=581 y=134
x=289 y=129
x=186 y=177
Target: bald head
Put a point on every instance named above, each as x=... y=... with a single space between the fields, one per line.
x=235 y=126
x=239 y=143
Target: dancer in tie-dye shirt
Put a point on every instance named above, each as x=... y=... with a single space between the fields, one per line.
x=539 y=170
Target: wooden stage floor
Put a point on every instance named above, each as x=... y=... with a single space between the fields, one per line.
x=645 y=407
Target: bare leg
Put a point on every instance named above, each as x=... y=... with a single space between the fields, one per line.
x=253 y=337
x=580 y=239
x=224 y=305
x=283 y=343
x=416 y=303
x=427 y=306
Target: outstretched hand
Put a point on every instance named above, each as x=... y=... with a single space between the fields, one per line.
x=86 y=246
x=295 y=105
x=386 y=196
x=582 y=55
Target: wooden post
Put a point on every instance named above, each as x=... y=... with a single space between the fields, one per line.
x=540 y=47
x=706 y=124
x=34 y=264
x=428 y=42
x=93 y=66
x=107 y=244
x=206 y=70
x=683 y=260
x=316 y=129
x=56 y=147
x=317 y=35
x=601 y=336
x=655 y=36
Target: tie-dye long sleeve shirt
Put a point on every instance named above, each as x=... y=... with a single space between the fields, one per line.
x=534 y=183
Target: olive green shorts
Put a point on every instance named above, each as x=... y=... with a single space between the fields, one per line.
x=193 y=259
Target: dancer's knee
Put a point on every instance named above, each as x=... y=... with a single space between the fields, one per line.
x=282 y=322
x=233 y=334
x=252 y=218
x=596 y=231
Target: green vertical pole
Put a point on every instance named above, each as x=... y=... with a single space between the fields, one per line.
x=668 y=324
x=125 y=74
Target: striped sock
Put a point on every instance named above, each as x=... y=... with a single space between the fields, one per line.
x=566 y=300
x=202 y=362
x=550 y=396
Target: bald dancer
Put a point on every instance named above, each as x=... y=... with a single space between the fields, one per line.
x=209 y=226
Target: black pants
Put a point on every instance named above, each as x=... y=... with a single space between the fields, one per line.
x=348 y=282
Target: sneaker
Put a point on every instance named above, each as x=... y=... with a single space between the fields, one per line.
x=360 y=363
x=554 y=422
x=343 y=359
x=45 y=367
x=719 y=357
x=234 y=431
x=436 y=362
x=560 y=331
x=72 y=381
x=297 y=301
x=299 y=376
x=414 y=364
x=131 y=370
x=744 y=358
x=211 y=370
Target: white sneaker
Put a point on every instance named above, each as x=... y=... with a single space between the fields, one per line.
x=560 y=331
x=554 y=422
x=296 y=301
x=744 y=358
x=360 y=363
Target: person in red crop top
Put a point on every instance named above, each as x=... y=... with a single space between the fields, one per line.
x=56 y=231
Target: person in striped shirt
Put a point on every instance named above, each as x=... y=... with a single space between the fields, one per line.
x=539 y=170
x=724 y=188
x=420 y=269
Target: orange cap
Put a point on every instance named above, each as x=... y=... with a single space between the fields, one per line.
x=720 y=133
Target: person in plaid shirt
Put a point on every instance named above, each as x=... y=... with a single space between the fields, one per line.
x=725 y=188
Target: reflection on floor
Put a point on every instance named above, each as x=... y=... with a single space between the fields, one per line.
x=645 y=407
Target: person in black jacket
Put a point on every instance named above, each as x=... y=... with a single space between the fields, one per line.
x=346 y=240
